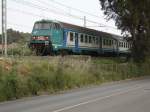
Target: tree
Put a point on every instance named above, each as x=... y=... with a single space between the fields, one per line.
x=133 y=18
x=16 y=36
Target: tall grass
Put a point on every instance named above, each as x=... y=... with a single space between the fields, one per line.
x=21 y=77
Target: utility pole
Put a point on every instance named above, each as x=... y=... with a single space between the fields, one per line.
x=4 y=27
x=85 y=21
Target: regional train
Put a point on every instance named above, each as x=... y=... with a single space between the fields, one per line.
x=54 y=37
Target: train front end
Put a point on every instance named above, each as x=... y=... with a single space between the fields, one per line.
x=46 y=36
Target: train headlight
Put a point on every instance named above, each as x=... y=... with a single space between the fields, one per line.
x=33 y=38
x=46 y=38
x=40 y=38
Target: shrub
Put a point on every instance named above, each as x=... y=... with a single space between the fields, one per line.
x=33 y=76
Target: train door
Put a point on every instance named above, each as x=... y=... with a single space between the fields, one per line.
x=65 y=36
x=100 y=44
x=76 y=42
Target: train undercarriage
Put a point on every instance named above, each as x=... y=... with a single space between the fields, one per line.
x=41 y=49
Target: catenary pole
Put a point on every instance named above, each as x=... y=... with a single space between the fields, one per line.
x=4 y=27
x=2 y=37
x=84 y=21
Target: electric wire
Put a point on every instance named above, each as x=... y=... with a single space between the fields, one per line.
x=29 y=4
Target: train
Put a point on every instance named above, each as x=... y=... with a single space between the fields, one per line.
x=51 y=37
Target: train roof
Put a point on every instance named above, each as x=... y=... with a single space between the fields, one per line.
x=83 y=29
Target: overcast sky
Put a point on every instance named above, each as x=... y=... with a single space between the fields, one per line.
x=23 y=13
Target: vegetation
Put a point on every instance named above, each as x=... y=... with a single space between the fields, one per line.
x=21 y=77
x=17 y=37
x=134 y=21
x=19 y=49
x=18 y=43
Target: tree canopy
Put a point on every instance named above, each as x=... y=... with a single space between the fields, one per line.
x=133 y=18
x=16 y=36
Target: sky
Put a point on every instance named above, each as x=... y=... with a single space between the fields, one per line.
x=21 y=14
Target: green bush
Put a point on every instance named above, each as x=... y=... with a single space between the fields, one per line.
x=10 y=86
x=20 y=51
x=37 y=75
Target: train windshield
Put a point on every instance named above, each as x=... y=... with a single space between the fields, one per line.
x=47 y=26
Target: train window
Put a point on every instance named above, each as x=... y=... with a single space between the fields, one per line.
x=42 y=26
x=110 y=42
x=106 y=42
x=103 y=42
x=81 y=38
x=86 y=38
x=71 y=37
x=90 y=39
x=45 y=26
x=57 y=26
x=93 y=40
x=119 y=44
x=96 y=40
x=37 y=26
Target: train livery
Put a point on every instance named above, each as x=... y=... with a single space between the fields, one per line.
x=54 y=37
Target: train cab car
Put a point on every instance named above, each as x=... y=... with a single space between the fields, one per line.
x=46 y=36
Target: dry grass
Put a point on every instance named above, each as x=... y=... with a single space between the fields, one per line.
x=26 y=76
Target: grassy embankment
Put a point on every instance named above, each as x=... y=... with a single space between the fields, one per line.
x=39 y=75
